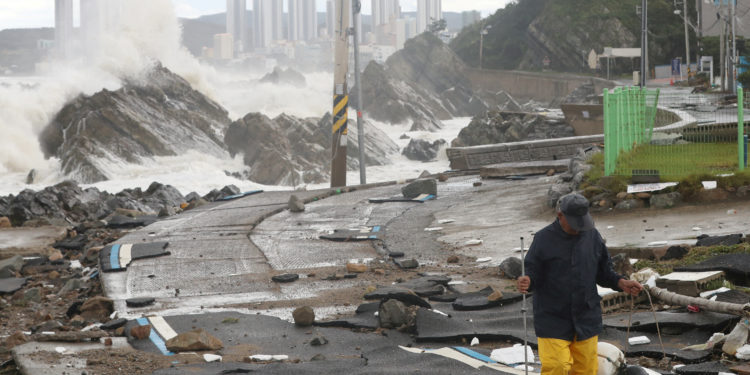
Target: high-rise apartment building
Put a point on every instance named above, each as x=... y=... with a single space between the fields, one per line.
x=428 y=11
x=330 y=18
x=385 y=11
x=303 y=20
x=64 y=28
x=236 y=27
x=223 y=46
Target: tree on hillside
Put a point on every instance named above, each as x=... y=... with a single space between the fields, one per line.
x=437 y=26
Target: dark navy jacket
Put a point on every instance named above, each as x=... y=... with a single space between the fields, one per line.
x=564 y=270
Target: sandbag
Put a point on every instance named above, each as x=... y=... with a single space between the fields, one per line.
x=736 y=338
x=611 y=359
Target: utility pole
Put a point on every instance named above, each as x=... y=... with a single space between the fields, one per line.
x=360 y=101
x=644 y=43
x=732 y=11
x=340 y=94
x=482 y=33
x=722 y=54
x=687 y=39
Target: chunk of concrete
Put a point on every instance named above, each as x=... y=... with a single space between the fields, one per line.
x=418 y=187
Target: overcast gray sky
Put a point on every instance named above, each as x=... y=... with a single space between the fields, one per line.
x=41 y=13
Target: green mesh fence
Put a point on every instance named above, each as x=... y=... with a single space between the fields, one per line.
x=672 y=134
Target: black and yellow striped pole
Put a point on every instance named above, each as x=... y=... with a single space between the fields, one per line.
x=340 y=94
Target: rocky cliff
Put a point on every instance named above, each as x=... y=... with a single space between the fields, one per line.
x=425 y=81
x=501 y=127
x=157 y=115
x=287 y=150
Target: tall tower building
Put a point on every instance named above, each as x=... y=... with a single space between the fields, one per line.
x=277 y=19
x=64 y=28
x=92 y=25
x=428 y=11
x=262 y=23
x=236 y=26
x=303 y=20
x=330 y=18
x=384 y=11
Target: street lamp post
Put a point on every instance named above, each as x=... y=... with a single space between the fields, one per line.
x=482 y=33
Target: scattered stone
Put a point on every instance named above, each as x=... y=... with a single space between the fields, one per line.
x=392 y=314
x=5 y=222
x=97 y=308
x=356 y=267
x=629 y=204
x=396 y=254
x=9 y=267
x=17 y=338
x=423 y=150
x=510 y=268
x=11 y=285
x=442 y=177
x=195 y=340
x=295 y=204
x=76 y=242
x=426 y=286
x=55 y=256
x=643 y=195
x=318 y=340
x=32 y=295
x=140 y=332
x=407 y=263
x=667 y=200
x=113 y=324
x=550 y=172
x=107 y=341
x=318 y=357
x=139 y=302
x=71 y=285
x=303 y=316
x=675 y=252
x=167 y=211
x=285 y=278
x=419 y=187
x=495 y=296
x=452 y=259
x=478 y=184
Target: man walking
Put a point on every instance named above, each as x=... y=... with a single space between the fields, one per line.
x=565 y=262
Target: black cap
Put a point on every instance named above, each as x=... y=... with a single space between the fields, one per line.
x=575 y=207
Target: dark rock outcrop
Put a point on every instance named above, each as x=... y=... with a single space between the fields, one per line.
x=422 y=150
x=287 y=150
x=285 y=76
x=425 y=81
x=501 y=127
x=157 y=115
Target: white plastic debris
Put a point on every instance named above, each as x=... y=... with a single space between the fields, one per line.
x=731 y=211
x=644 y=275
x=657 y=243
x=708 y=185
x=524 y=368
x=473 y=242
x=610 y=226
x=211 y=358
x=75 y=264
x=60 y=349
x=743 y=352
x=675 y=367
x=445 y=221
x=433 y=229
x=710 y=293
x=632 y=261
x=610 y=358
x=639 y=340
x=90 y=327
x=474 y=341
x=48 y=333
x=512 y=355
x=456 y=282
x=439 y=312
x=113 y=315
x=697 y=229
x=484 y=260
x=268 y=357
x=737 y=338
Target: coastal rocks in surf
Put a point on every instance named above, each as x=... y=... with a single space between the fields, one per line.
x=287 y=150
x=68 y=204
x=425 y=81
x=285 y=76
x=423 y=150
x=502 y=127
x=158 y=114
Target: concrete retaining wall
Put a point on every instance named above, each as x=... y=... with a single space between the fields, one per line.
x=543 y=87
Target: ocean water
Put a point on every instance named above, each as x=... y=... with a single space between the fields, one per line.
x=147 y=32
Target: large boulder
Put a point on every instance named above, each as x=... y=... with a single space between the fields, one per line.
x=287 y=150
x=422 y=150
x=157 y=114
x=502 y=127
x=285 y=76
x=424 y=80
x=195 y=340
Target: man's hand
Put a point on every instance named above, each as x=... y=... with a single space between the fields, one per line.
x=523 y=283
x=631 y=287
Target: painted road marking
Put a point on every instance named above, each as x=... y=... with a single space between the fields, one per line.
x=125 y=255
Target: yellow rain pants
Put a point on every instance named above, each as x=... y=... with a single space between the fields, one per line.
x=562 y=357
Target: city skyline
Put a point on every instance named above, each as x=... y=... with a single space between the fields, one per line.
x=41 y=13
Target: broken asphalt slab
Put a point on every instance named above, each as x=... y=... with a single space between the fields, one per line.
x=11 y=284
x=398 y=293
x=418 y=199
x=29 y=358
x=117 y=257
x=362 y=234
x=479 y=300
x=735 y=266
x=644 y=321
x=365 y=317
x=673 y=344
x=346 y=351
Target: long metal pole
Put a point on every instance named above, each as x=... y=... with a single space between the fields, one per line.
x=734 y=61
x=644 y=52
x=523 y=311
x=687 y=39
x=723 y=57
x=481 y=42
x=360 y=101
x=340 y=95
